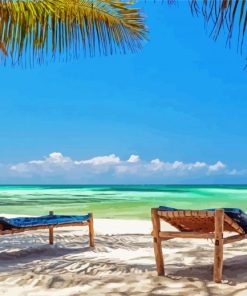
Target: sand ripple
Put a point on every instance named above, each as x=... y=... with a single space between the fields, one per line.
x=118 y=265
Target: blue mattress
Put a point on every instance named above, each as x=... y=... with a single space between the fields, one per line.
x=22 y=222
x=236 y=214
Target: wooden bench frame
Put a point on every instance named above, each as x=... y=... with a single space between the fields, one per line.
x=88 y=223
x=212 y=226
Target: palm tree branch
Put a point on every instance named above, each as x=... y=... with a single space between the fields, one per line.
x=29 y=27
x=223 y=14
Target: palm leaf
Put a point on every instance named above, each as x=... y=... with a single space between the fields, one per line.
x=229 y=16
x=32 y=29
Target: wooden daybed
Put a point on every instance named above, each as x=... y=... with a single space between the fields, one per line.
x=206 y=224
x=51 y=221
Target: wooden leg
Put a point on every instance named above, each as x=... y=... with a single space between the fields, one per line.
x=51 y=236
x=157 y=243
x=218 y=249
x=91 y=230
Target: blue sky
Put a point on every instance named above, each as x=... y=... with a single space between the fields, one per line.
x=182 y=99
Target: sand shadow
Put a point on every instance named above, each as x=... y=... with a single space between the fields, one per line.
x=70 y=260
x=23 y=250
x=234 y=271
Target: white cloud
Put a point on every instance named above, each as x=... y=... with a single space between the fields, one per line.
x=133 y=158
x=20 y=168
x=216 y=167
x=155 y=165
x=176 y=166
x=54 y=157
x=199 y=164
x=235 y=172
x=100 y=160
x=56 y=164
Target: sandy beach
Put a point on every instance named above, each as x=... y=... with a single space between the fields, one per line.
x=122 y=263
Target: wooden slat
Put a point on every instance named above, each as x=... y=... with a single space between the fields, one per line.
x=189 y=234
x=197 y=220
x=234 y=225
x=189 y=220
x=190 y=213
x=234 y=238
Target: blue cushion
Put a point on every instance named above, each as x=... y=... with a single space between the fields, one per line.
x=22 y=222
x=236 y=214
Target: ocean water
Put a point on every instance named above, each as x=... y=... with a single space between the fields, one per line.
x=116 y=201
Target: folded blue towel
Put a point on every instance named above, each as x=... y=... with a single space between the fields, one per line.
x=236 y=214
x=22 y=222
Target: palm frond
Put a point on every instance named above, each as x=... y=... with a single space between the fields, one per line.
x=227 y=15
x=32 y=29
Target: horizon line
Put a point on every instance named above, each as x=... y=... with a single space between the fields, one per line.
x=127 y=184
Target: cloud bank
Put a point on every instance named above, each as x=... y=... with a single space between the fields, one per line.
x=112 y=169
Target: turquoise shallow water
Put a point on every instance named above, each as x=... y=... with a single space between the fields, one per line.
x=116 y=201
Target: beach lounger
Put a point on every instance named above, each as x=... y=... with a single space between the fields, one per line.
x=208 y=224
x=51 y=221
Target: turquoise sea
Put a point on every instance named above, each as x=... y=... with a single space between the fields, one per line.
x=116 y=201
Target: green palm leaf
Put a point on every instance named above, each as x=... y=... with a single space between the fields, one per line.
x=32 y=29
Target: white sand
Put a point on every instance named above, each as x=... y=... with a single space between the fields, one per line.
x=122 y=263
